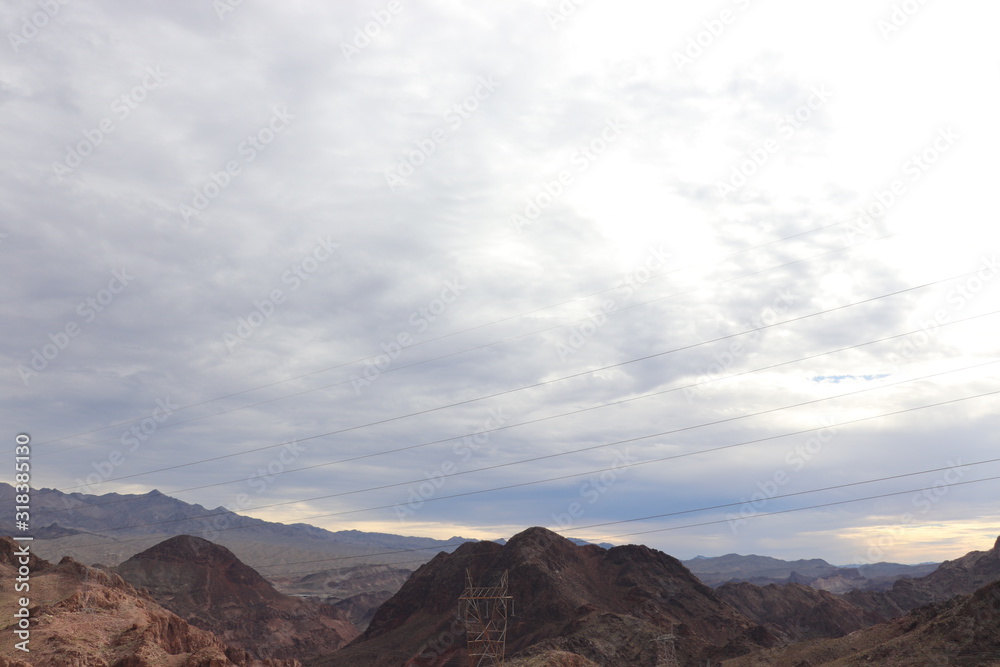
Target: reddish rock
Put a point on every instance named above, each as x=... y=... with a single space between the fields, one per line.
x=209 y=587
x=605 y=606
x=84 y=617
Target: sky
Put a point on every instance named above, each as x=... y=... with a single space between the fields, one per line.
x=480 y=268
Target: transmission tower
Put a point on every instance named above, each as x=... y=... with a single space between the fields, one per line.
x=667 y=653
x=484 y=609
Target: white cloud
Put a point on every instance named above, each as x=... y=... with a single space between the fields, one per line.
x=653 y=185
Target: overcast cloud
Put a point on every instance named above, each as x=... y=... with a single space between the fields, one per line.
x=240 y=206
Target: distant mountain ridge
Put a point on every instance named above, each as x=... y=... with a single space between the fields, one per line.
x=112 y=527
x=814 y=572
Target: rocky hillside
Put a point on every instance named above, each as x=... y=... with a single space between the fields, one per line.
x=577 y=605
x=209 y=587
x=796 y=612
x=954 y=577
x=86 y=617
x=360 y=609
x=963 y=631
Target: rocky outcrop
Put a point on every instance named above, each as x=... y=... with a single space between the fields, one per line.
x=963 y=631
x=209 y=587
x=570 y=603
x=360 y=609
x=796 y=612
x=954 y=577
x=90 y=618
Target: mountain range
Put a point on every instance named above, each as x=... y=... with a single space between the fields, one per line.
x=157 y=598
x=814 y=572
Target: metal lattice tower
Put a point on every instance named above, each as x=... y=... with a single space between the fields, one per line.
x=484 y=609
x=667 y=649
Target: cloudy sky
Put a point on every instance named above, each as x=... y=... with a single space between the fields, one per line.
x=721 y=252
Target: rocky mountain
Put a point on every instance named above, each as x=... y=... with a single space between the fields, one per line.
x=205 y=584
x=795 y=612
x=954 y=577
x=360 y=609
x=814 y=572
x=342 y=583
x=355 y=591
x=572 y=605
x=87 y=617
x=963 y=631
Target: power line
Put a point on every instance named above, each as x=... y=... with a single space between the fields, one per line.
x=692 y=525
x=175 y=424
x=780 y=496
x=593 y=447
x=811 y=507
x=538 y=384
x=456 y=333
x=564 y=414
x=522 y=484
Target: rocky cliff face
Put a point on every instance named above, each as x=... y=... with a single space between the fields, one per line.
x=208 y=586
x=954 y=577
x=572 y=603
x=963 y=631
x=81 y=616
x=795 y=612
x=360 y=609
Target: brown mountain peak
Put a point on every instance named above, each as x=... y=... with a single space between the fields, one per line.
x=607 y=605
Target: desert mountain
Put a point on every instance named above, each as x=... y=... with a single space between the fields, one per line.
x=356 y=591
x=814 y=572
x=796 y=612
x=954 y=577
x=963 y=631
x=205 y=584
x=573 y=605
x=342 y=583
x=84 y=616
